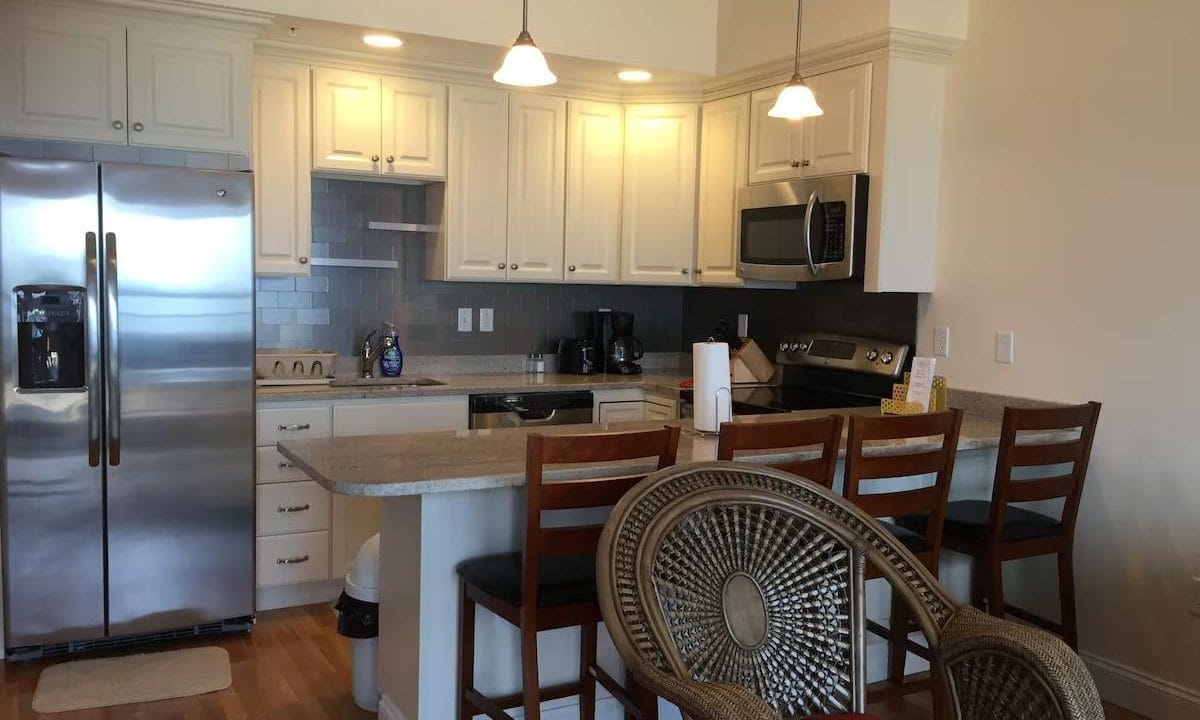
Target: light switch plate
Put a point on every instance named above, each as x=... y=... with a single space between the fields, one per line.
x=486 y=319
x=464 y=319
x=941 y=341
x=743 y=325
x=1004 y=346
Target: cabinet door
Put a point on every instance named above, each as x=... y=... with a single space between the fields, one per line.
x=593 y=222
x=660 y=408
x=62 y=75
x=281 y=149
x=659 y=208
x=836 y=142
x=537 y=146
x=622 y=411
x=414 y=128
x=346 y=121
x=776 y=145
x=476 y=212
x=724 y=135
x=188 y=88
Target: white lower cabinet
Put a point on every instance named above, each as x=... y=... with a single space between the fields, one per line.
x=292 y=507
x=620 y=406
x=293 y=559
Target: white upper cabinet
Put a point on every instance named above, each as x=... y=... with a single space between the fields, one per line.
x=836 y=142
x=188 y=88
x=347 y=121
x=537 y=146
x=414 y=128
x=830 y=144
x=593 y=222
x=659 y=208
x=62 y=75
x=724 y=136
x=473 y=244
x=74 y=74
x=281 y=149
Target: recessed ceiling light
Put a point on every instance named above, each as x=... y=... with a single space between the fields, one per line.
x=635 y=75
x=382 y=40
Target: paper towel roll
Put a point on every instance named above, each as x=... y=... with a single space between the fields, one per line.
x=712 y=402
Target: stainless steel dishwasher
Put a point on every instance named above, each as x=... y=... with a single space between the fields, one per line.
x=534 y=408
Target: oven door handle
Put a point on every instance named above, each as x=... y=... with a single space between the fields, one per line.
x=813 y=200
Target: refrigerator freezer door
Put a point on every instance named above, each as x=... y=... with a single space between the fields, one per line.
x=53 y=504
x=180 y=432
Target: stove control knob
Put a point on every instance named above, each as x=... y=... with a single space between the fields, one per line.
x=886 y=358
x=804 y=346
x=872 y=355
x=783 y=346
x=794 y=347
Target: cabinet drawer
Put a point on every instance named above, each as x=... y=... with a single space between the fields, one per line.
x=275 y=468
x=294 y=424
x=293 y=507
x=289 y=559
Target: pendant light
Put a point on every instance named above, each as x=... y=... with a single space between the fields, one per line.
x=796 y=101
x=524 y=65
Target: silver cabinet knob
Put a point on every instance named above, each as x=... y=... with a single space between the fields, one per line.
x=684 y=271
x=138 y=127
x=795 y=163
x=303 y=260
x=699 y=271
x=391 y=159
x=118 y=125
x=805 y=163
x=374 y=158
x=499 y=266
x=571 y=268
x=513 y=266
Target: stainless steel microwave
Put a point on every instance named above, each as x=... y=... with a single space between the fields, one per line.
x=802 y=230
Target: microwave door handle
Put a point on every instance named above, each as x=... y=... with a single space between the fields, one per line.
x=813 y=199
x=95 y=399
x=112 y=377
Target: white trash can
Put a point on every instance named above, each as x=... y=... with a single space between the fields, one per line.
x=358 y=619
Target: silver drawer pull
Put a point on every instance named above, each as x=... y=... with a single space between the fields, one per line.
x=294 y=508
x=301 y=426
x=285 y=465
x=291 y=560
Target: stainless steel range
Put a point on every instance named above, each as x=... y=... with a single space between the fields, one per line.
x=824 y=370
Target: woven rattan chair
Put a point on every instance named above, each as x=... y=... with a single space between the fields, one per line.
x=737 y=593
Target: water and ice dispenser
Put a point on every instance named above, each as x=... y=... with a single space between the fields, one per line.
x=51 y=345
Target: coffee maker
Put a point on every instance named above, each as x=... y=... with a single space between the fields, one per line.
x=623 y=349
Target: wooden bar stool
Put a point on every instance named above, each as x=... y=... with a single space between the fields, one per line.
x=995 y=532
x=863 y=468
x=824 y=431
x=552 y=582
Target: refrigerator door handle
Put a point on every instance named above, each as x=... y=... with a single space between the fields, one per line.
x=95 y=400
x=112 y=377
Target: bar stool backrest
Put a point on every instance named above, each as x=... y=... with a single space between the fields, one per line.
x=1015 y=454
x=824 y=431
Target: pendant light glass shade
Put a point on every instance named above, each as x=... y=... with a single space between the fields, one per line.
x=796 y=101
x=524 y=65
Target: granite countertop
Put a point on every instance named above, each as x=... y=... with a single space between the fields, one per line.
x=465 y=384
x=422 y=463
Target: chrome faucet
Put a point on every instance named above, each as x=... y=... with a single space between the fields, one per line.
x=367 y=355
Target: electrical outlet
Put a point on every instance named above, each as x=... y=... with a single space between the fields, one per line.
x=941 y=341
x=743 y=325
x=1005 y=339
x=486 y=319
x=1196 y=597
x=464 y=319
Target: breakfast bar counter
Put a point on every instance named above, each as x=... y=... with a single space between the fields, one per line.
x=450 y=496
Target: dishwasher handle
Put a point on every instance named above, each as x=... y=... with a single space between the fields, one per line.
x=527 y=415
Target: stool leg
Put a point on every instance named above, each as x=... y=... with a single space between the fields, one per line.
x=1066 y=597
x=979 y=577
x=646 y=701
x=466 y=651
x=996 y=586
x=587 y=683
x=529 y=665
x=897 y=652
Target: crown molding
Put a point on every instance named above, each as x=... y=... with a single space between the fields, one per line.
x=243 y=20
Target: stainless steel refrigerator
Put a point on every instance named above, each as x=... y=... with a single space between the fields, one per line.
x=127 y=421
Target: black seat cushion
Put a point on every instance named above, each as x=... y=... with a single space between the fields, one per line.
x=914 y=541
x=968 y=519
x=562 y=579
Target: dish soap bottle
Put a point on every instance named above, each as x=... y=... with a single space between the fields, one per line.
x=391 y=360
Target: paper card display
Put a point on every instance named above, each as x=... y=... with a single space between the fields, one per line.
x=920 y=383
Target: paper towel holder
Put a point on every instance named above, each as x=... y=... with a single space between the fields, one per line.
x=717 y=404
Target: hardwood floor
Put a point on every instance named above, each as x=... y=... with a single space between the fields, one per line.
x=293 y=666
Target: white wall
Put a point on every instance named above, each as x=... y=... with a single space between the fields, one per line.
x=666 y=34
x=1069 y=198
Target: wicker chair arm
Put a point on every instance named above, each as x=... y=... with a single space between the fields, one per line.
x=1005 y=669
x=705 y=700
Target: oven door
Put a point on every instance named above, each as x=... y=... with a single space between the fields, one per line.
x=801 y=230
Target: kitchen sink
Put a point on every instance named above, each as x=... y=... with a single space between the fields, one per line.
x=402 y=381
